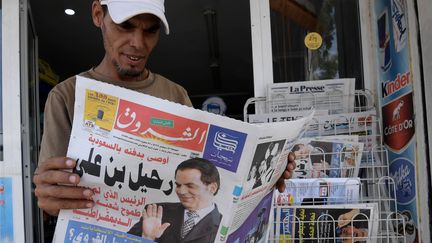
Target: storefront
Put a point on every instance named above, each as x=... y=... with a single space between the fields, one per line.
x=383 y=44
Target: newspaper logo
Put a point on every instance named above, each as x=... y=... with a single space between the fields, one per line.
x=159 y=126
x=403 y=173
x=400 y=24
x=224 y=147
x=398 y=122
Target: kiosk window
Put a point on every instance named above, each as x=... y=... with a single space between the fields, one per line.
x=336 y=21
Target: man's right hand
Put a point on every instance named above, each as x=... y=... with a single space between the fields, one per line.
x=56 y=188
x=152 y=227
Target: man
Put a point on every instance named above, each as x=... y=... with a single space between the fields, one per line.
x=197 y=182
x=130 y=30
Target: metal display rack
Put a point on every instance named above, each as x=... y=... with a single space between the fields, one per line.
x=376 y=186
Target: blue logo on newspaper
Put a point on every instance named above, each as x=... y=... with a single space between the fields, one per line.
x=82 y=232
x=402 y=171
x=224 y=147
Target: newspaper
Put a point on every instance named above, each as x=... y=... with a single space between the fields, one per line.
x=327 y=223
x=319 y=191
x=317 y=158
x=283 y=116
x=127 y=146
x=364 y=124
x=334 y=95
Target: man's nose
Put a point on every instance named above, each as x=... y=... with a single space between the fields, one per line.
x=180 y=190
x=138 y=38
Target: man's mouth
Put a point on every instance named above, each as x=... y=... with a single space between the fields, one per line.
x=134 y=58
x=185 y=199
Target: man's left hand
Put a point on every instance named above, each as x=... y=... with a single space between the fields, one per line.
x=280 y=184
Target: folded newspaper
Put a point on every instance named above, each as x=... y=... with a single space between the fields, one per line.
x=128 y=145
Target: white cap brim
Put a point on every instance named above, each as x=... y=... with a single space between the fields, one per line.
x=122 y=10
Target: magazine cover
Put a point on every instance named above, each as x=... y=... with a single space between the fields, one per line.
x=317 y=158
x=165 y=172
x=319 y=191
x=327 y=223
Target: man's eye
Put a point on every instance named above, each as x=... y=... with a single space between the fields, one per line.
x=125 y=26
x=153 y=29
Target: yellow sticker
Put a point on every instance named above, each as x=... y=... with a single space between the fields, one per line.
x=100 y=109
x=313 y=41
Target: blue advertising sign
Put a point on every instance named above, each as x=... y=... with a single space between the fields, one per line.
x=397 y=106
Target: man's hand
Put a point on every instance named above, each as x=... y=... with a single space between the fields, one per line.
x=280 y=184
x=152 y=227
x=56 y=189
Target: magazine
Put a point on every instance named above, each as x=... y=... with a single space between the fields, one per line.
x=327 y=223
x=334 y=95
x=319 y=191
x=317 y=158
x=128 y=147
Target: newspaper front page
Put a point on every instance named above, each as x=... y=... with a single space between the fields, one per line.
x=334 y=95
x=127 y=146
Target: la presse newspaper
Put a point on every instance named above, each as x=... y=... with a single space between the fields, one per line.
x=127 y=146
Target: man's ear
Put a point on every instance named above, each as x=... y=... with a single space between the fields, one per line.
x=213 y=187
x=97 y=13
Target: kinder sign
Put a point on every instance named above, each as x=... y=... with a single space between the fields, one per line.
x=398 y=122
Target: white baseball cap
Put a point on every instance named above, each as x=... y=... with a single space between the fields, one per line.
x=122 y=10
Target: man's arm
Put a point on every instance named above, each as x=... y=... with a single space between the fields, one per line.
x=55 y=188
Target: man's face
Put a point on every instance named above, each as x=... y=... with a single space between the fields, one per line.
x=351 y=231
x=129 y=44
x=191 y=191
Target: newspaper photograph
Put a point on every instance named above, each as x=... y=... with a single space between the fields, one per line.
x=317 y=158
x=145 y=157
x=257 y=224
x=319 y=191
x=327 y=223
x=334 y=95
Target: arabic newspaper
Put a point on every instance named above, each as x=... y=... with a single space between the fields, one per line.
x=327 y=223
x=334 y=95
x=364 y=124
x=128 y=145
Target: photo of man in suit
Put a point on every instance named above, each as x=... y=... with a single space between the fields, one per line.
x=195 y=218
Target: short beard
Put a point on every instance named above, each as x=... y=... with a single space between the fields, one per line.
x=128 y=72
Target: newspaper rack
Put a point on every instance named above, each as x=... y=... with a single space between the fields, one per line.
x=363 y=100
x=376 y=186
x=389 y=225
